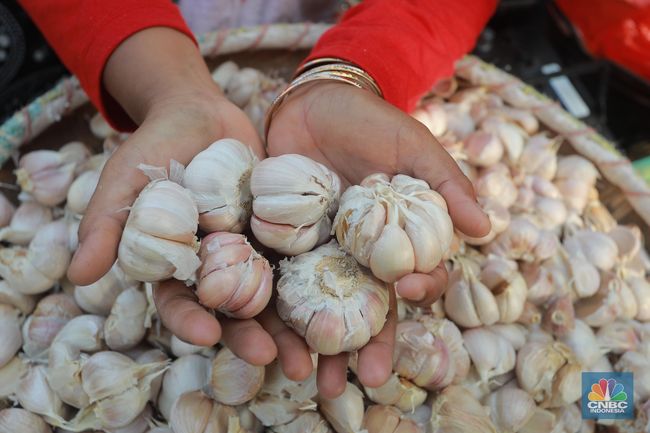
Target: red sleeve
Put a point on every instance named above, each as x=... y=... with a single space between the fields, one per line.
x=84 y=34
x=406 y=45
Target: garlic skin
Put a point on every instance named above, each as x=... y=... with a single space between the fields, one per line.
x=495 y=182
x=7 y=210
x=510 y=408
x=180 y=348
x=159 y=238
x=35 y=269
x=10 y=375
x=329 y=299
x=598 y=248
x=99 y=297
x=433 y=116
x=507 y=285
x=50 y=316
x=639 y=364
x=47 y=174
x=233 y=381
x=195 y=412
x=455 y=410
x=295 y=199
x=584 y=343
x=12 y=297
x=618 y=337
x=10 y=334
x=491 y=354
x=35 y=395
x=387 y=419
x=124 y=328
x=148 y=357
x=483 y=149
x=310 y=422
x=468 y=302
x=27 y=219
x=233 y=279
x=539 y=156
x=397 y=392
x=219 y=181
x=394 y=226
x=187 y=373
x=22 y=421
x=344 y=413
x=81 y=191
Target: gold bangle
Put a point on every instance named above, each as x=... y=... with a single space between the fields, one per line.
x=323 y=69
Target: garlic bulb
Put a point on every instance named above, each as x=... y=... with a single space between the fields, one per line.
x=574 y=178
x=224 y=73
x=7 y=210
x=499 y=221
x=345 y=412
x=483 y=149
x=542 y=421
x=394 y=226
x=81 y=191
x=522 y=240
x=81 y=334
x=598 y=248
x=640 y=288
x=329 y=299
x=515 y=333
x=159 y=238
x=243 y=85
x=510 y=408
x=397 y=392
x=455 y=410
x=27 y=219
x=310 y=422
x=233 y=279
x=187 y=373
x=194 y=412
x=539 y=157
x=99 y=297
x=47 y=174
x=430 y=353
x=618 y=337
x=459 y=121
x=12 y=297
x=468 y=302
x=510 y=134
x=523 y=118
x=50 y=316
x=433 y=116
x=607 y=304
x=582 y=341
x=540 y=282
x=387 y=419
x=233 y=381
x=10 y=334
x=639 y=365
x=219 y=181
x=148 y=357
x=22 y=421
x=496 y=183
x=10 y=375
x=559 y=316
x=294 y=201
x=36 y=269
x=125 y=326
x=35 y=395
x=139 y=425
x=507 y=285
x=491 y=354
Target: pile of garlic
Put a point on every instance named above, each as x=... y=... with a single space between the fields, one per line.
x=556 y=288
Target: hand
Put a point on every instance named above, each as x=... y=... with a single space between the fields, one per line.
x=356 y=133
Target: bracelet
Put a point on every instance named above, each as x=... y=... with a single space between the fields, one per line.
x=326 y=68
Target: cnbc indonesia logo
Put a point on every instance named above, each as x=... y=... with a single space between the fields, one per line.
x=607 y=397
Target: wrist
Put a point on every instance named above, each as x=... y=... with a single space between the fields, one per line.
x=154 y=68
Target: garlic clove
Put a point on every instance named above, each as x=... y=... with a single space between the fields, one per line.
x=125 y=326
x=10 y=375
x=433 y=116
x=596 y=247
x=510 y=408
x=81 y=191
x=459 y=122
x=22 y=421
x=224 y=73
x=99 y=297
x=583 y=343
x=498 y=186
x=491 y=354
x=387 y=419
x=468 y=302
x=233 y=381
x=12 y=297
x=397 y=392
x=148 y=357
x=292 y=209
x=537 y=365
x=35 y=395
x=392 y=254
x=10 y=333
x=310 y=422
x=187 y=373
x=29 y=216
x=515 y=333
x=287 y=239
x=100 y=127
x=344 y=413
x=456 y=410
x=181 y=348
x=531 y=315
x=483 y=149
x=618 y=337
x=196 y=412
x=559 y=316
x=542 y=421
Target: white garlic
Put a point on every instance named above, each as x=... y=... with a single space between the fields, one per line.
x=243 y=85
x=181 y=348
x=10 y=334
x=81 y=191
x=639 y=365
x=34 y=394
x=10 y=375
x=606 y=305
x=522 y=240
x=395 y=226
x=511 y=135
x=187 y=373
x=295 y=199
x=582 y=341
x=618 y=337
x=345 y=412
x=455 y=410
x=233 y=279
x=483 y=149
x=491 y=354
x=515 y=333
x=387 y=419
x=596 y=247
x=22 y=421
x=125 y=326
x=219 y=181
x=540 y=282
x=496 y=183
x=507 y=285
x=99 y=297
x=159 y=238
x=47 y=174
x=195 y=412
x=328 y=298
x=50 y=316
x=539 y=157
x=233 y=381
x=27 y=219
x=640 y=287
x=542 y=421
x=459 y=121
x=224 y=73
x=499 y=221
x=148 y=357
x=433 y=116
x=559 y=316
x=311 y=422
x=510 y=408
x=397 y=392
x=10 y=296
x=468 y=302
x=574 y=178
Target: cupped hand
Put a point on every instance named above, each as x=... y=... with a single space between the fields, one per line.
x=356 y=133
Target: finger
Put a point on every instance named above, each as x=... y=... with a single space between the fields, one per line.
x=375 y=362
x=331 y=374
x=292 y=350
x=183 y=316
x=422 y=290
x=101 y=227
x=249 y=341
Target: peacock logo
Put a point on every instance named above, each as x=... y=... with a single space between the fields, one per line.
x=607 y=390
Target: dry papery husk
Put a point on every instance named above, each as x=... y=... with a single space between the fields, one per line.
x=195 y=412
x=455 y=410
x=99 y=297
x=345 y=412
x=17 y=420
x=234 y=381
x=187 y=373
x=10 y=335
x=388 y=419
x=510 y=408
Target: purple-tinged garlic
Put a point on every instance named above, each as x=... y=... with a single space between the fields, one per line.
x=99 y=297
x=195 y=412
x=455 y=409
x=510 y=408
x=508 y=287
x=219 y=181
x=25 y=222
x=483 y=149
x=159 y=238
x=7 y=210
x=50 y=316
x=345 y=412
x=37 y=268
x=331 y=300
x=187 y=373
x=47 y=174
x=395 y=226
x=243 y=85
x=491 y=354
x=125 y=326
x=430 y=353
x=388 y=419
x=233 y=279
x=15 y=420
x=234 y=381
x=433 y=116
x=295 y=199
x=468 y=302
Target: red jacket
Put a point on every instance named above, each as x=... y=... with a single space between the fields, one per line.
x=406 y=45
